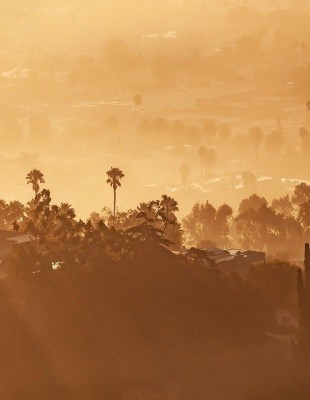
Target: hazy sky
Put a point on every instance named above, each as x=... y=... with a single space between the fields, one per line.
x=69 y=71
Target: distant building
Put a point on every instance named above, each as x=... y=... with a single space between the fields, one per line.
x=16 y=73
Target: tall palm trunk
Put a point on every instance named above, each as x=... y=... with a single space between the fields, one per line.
x=114 y=189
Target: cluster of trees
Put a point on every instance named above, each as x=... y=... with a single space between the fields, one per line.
x=37 y=129
x=207 y=226
x=209 y=142
x=59 y=237
x=277 y=228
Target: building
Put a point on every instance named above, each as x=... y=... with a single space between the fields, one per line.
x=234 y=260
x=8 y=241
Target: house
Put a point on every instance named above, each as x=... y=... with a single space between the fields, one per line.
x=220 y=256
x=8 y=241
x=234 y=260
x=16 y=73
x=225 y=260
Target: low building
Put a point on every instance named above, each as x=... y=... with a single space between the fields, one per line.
x=220 y=256
x=8 y=241
x=234 y=260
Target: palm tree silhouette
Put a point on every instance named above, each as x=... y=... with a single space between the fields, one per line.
x=35 y=178
x=185 y=172
x=114 y=177
x=208 y=159
x=137 y=99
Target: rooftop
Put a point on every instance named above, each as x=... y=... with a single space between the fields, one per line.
x=13 y=236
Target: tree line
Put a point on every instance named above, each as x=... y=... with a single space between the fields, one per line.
x=277 y=227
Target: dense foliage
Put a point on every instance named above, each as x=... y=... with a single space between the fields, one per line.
x=104 y=309
x=277 y=228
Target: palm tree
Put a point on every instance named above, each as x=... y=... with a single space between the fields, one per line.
x=114 y=177
x=208 y=158
x=185 y=172
x=256 y=137
x=35 y=178
x=137 y=99
x=202 y=152
x=249 y=181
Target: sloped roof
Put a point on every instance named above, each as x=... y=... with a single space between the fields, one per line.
x=215 y=251
x=5 y=234
x=224 y=257
x=20 y=239
x=7 y=239
x=13 y=236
